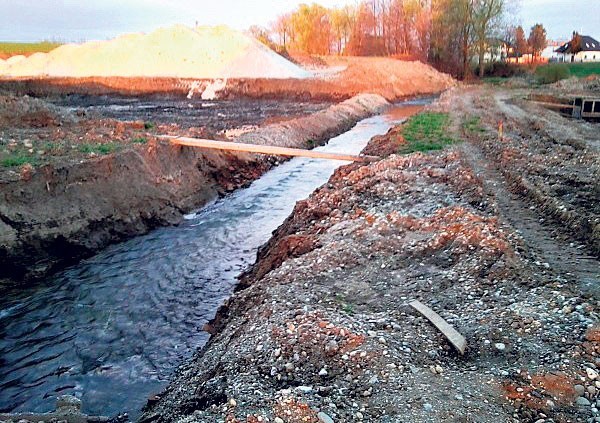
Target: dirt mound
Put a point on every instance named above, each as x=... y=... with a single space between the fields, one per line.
x=30 y=112
x=396 y=75
x=346 y=77
x=178 y=51
x=310 y=128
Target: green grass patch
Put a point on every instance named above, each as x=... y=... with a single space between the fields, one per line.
x=495 y=80
x=427 y=131
x=13 y=49
x=581 y=70
x=473 y=124
x=549 y=74
x=16 y=160
x=106 y=148
x=139 y=140
x=149 y=125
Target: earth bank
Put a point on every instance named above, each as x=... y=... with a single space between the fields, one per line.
x=321 y=331
x=69 y=207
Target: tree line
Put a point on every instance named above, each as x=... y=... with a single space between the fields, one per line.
x=446 y=33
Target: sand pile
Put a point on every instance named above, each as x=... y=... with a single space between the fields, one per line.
x=179 y=51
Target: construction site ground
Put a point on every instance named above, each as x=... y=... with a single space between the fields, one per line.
x=498 y=233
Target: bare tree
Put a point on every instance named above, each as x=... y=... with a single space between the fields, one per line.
x=487 y=16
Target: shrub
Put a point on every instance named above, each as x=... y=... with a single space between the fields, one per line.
x=501 y=69
x=552 y=73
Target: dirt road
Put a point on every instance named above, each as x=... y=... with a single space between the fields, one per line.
x=498 y=236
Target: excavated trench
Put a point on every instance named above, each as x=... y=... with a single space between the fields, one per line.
x=112 y=329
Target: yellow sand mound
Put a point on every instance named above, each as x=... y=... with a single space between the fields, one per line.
x=179 y=51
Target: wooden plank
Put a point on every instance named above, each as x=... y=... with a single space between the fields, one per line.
x=554 y=105
x=265 y=149
x=455 y=338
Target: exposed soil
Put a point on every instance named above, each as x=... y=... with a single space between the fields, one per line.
x=89 y=182
x=215 y=116
x=492 y=234
x=349 y=76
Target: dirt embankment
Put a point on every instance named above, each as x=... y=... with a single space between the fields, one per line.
x=59 y=212
x=343 y=79
x=322 y=331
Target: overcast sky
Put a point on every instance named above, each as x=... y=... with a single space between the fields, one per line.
x=72 y=20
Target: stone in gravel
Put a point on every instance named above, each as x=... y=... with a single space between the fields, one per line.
x=289 y=367
x=278 y=420
x=579 y=389
x=359 y=415
x=427 y=406
x=324 y=418
x=582 y=401
x=331 y=347
x=591 y=373
x=323 y=372
x=591 y=390
x=500 y=346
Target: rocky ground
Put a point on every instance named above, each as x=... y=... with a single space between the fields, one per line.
x=498 y=234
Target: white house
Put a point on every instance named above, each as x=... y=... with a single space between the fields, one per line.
x=588 y=51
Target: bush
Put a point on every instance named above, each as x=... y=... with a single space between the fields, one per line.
x=552 y=73
x=501 y=69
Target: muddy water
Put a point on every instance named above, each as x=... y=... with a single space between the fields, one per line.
x=112 y=329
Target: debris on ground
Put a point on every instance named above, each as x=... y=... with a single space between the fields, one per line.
x=321 y=328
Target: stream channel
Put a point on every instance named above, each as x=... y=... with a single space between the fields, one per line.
x=112 y=329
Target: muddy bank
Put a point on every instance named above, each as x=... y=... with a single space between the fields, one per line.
x=322 y=330
x=390 y=78
x=54 y=214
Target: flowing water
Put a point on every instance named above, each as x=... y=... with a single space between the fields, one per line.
x=112 y=329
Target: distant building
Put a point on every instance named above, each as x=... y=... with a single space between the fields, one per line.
x=549 y=53
x=588 y=50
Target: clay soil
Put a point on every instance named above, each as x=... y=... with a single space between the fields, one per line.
x=336 y=80
x=498 y=234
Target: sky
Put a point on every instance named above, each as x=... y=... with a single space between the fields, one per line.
x=83 y=20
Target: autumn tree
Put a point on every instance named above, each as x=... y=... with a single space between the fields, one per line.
x=576 y=43
x=342 y=21
x=312 y=29
x=521 y=43
x=283 y=28
x=537 y=39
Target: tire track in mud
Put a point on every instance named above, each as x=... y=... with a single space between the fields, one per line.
x=553 y=249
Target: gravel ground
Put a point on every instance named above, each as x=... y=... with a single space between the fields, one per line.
x=321 y=330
